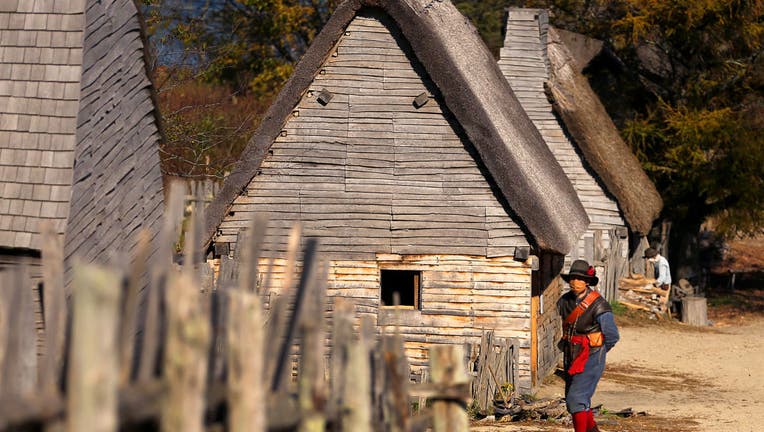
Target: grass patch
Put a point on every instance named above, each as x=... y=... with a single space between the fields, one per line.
x=618 y=308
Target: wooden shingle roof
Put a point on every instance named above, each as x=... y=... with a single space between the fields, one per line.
x=79 y=131
x=40 y=68
x=474 y=90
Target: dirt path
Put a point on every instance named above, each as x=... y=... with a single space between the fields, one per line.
x=684 y=378
x=713 y=376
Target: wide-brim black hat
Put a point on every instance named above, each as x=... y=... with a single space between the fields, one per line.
x=582 y=270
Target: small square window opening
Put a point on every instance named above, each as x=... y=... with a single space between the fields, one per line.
x=404 y=282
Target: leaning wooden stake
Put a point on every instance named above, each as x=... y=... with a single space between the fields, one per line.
x=342 y=340
x=185 y=360
x=93 y=374
x=130 y=312
x=447 y=368
x=155 y=292
x=355 y=414
x=54 y=305
x=277 y=323
x=312 y=396
x=396 y=380
x=246 y=389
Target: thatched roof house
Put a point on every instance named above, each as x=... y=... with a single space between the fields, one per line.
x=619 y=199
x=399 y=143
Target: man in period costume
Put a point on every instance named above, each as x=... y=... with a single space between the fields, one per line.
x=661 y=266
x=589 y=332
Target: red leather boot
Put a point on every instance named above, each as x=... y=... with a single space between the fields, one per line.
x=581 y=421
x=590 y=424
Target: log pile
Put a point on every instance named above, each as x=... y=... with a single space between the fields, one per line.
x=637 y=292
x=521 y=409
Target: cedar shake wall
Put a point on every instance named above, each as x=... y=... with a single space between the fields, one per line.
x=117 y=187
x=525 y=64
x=40 y=65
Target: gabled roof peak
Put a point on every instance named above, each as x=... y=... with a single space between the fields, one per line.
x=473 y=89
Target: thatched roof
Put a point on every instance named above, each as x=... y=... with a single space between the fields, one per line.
x=598 y=138
x=473 y=89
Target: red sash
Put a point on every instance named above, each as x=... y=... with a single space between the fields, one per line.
x=577 y=365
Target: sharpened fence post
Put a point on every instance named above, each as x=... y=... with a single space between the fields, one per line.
x=447 y=368
x=246 y=388
x=185 y=360
x=93 y=374
x=355 y=415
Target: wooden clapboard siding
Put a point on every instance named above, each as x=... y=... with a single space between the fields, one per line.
x=369 y=172
x=460 y=297
x=525 y=64
x=117 y=186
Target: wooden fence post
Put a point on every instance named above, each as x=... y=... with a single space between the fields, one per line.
x=355 y=413
x=447 y=368
x=396 y=383
x=311 y=397
x=93 y=374
x=54 y=306
x=341 y=341
x=482 y=390
x=246 y=388
x=185 y=359
x=278 y=305
x=153 y=330
x=131 y=301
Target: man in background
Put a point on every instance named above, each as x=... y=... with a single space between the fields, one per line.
x=662 y=270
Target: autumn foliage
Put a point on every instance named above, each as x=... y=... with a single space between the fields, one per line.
x=683 y=79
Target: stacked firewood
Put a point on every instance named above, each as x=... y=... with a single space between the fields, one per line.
x=637 y=292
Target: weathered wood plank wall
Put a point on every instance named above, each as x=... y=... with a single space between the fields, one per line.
x=461 y=297
x=371 y=173
x=525 y=64
x=117 y=186
x=385 y=184
x=9 y=259
x=549 y=323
